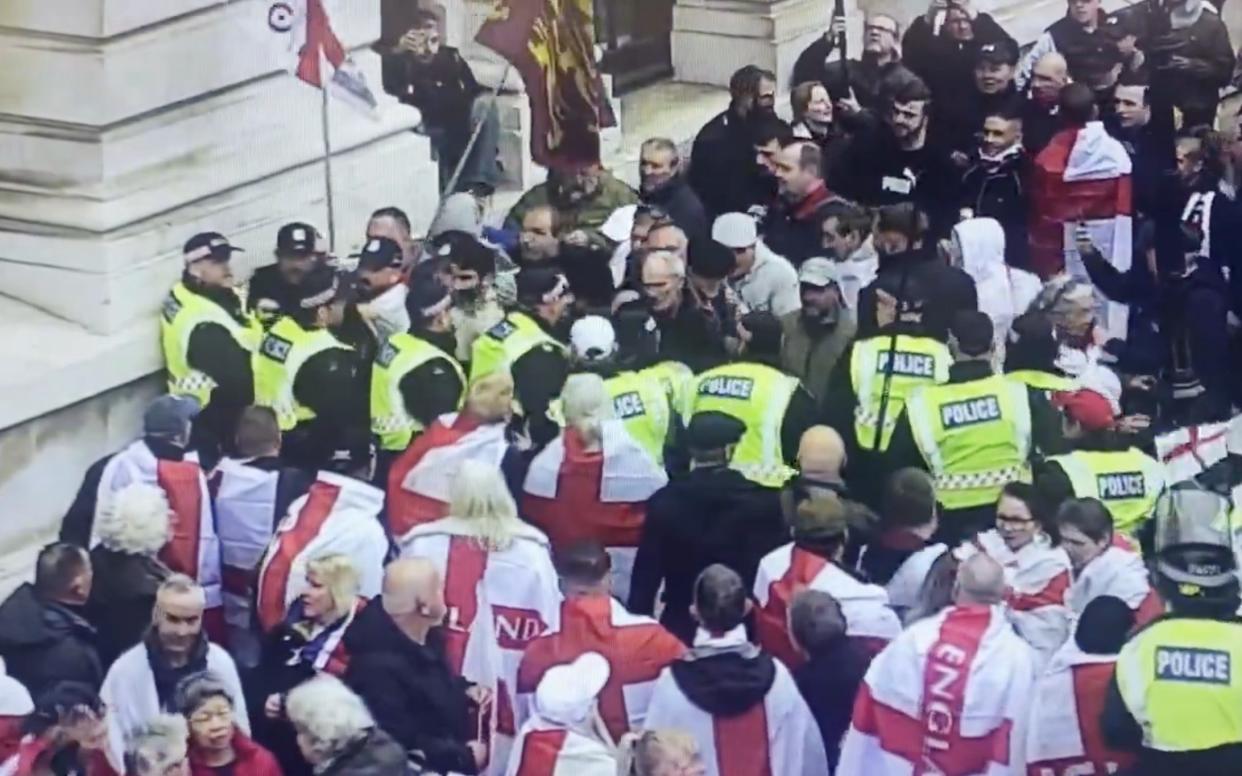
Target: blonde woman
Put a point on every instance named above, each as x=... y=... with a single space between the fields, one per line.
x=660 y=753
x=592 y=482
x=499 y=577
x=310 y=641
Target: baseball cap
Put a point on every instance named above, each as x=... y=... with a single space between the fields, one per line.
x=818 y=272
x=297 y=239
x=427 y=297
x=620 y=223
x=566 y=692
x=710 y=259
x=735 y=230
x=540 y=285
x=973 y=332
x=592 y=338
x=713 y=431
x=322 y=286
x=1086 y=407
x=208 y=245
x=168 y=415
x=380 y=253
x=998 y=53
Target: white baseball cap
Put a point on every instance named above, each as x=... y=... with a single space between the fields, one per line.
x=620 y=223
x=819 y=272
x=566 y=692
x=592 y=338
x=735 y=230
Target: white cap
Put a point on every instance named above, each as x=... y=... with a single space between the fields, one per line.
x=620 y=223
x=592 y=338
x=819 y=272
x=735 y=230
x=566 y=692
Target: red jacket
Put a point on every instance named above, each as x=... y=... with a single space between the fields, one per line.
x=34 y=752
x=252 y=759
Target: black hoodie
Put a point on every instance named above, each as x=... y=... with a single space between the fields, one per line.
x=725 y=682
x=44 y=642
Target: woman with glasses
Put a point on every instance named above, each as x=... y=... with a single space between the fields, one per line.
x=1037 y=570
x=217 y=746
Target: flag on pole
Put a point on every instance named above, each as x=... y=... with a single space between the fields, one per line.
x=551 y=43
x=309 y=48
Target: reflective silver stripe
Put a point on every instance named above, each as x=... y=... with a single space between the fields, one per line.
x=973 y=480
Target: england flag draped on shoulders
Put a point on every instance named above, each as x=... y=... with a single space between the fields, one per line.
x=1038 y=576
x=1119 y=572
x=565 y=735
x=950 y=695
x=338 y=514
x=303 y=41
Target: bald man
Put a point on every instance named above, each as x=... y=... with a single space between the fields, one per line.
x=1039 y=110
x=964 y=663
x=398 y=667
x=821 y=454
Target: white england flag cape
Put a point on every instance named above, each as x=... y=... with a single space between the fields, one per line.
x=1064 y=735
x=1038 y=576
x=304 y=42
x=245 y=502
x=1186 y=452
x=788 y=570
x=545 y=748
x=483 y=664
x=776 y=737
x=338 y=514
x=573 y=496
x=193 y=548
x=951 y=695
x=1116 y=572
x=518 y=585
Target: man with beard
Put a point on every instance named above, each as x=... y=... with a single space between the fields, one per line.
x=583 y=197
x=895 y=162
x=866 y=82
x=381 y=286
x=415 y=379
x=1040 y=119
x=723 y=147
x=476 y=307
x=792 y=227
x=992 y=186
x=662 y=185
x=817 y=335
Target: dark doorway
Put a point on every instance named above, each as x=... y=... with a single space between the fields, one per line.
x=635 y=36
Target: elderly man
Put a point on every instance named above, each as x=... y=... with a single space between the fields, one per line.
x=764 y=280
x=687 y=334
x=142 y=682
x=985 y=674
x=1040 y=119
x=399 y=669
x=662 y=185
x=584 y=197
x=871 y=78
x=740 y=705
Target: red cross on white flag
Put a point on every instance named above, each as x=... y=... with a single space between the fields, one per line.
x=310 y=49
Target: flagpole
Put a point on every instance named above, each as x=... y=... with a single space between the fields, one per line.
x=327 y=167
x=474 y=137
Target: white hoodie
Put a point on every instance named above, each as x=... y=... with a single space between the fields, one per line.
x=1004 y=292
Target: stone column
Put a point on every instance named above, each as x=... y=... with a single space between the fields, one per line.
x=713 y=38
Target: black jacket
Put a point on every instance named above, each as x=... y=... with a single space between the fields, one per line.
x=723 y=172
x=443 y=88
x=1039 y=123
x=1091 y=55
x=828 y=682
x=433 y=388
x=725 y=682
x=997 y=189
x=795 y=231
x=944 y=290
x=538 y=377
x=683 y=206
x=946 y=65
x=956 y=128
x=269 y=295
x=44 y=642
x=213 y=351
x=692 y=336
x=887 y=552
x=333 y=384
x=122 y=597
x=1206 y=44
x=409 y=689
x=375 y=755
x=711 y=515
x=871 y=82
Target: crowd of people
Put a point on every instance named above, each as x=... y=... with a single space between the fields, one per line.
x=896 y=439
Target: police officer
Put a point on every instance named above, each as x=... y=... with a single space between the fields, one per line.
x=310 y=378
x=638 y=350
x=775 y=407
x=274 y=288
x=1175 y=698
x=526 y=344
x=1104 y=465
x=208 y=339
x=973 y=434
x=1031 y=353
x=640 y=401
x=415 y=378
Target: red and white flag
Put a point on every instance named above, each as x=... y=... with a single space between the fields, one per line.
x=303 y=37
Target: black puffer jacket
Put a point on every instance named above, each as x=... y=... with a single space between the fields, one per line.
x=122 y=598
x=43 y=642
